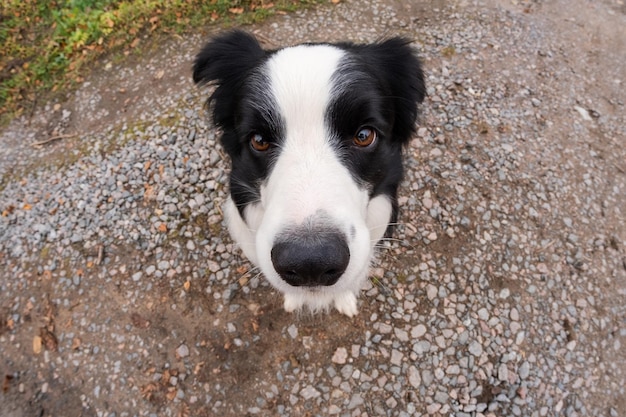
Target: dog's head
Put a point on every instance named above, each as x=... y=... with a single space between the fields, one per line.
x=315 y=134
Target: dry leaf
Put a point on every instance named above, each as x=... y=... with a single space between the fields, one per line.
x=184 y=411
x=7 y=382
x=149 y=192
x=236 y=10
x=134 y=43
x=165 y=377
x=27 y=206
x=159 y=74
x=162 y=228
x=197 y=368
x=171 y=393
x=139 y=321
x=148 y=390
x=48 y=339
x=76 y=343
x=186 y=285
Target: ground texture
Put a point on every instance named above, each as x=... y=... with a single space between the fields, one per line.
x=503 y=294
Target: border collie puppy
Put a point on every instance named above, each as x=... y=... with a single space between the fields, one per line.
x=315 y=134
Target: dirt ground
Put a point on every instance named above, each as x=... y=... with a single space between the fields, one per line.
x=181 y=350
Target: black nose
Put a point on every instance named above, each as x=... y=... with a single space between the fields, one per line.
x=309 y=261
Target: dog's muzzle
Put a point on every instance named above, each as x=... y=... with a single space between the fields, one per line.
x=310 y=258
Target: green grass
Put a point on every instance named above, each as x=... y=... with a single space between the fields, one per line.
x=48 y=46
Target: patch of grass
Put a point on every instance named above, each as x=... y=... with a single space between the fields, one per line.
x=448 y=51
x=48 y=45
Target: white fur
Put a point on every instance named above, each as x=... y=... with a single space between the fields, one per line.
x=308 y=178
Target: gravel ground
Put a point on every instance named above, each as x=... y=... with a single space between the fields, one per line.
x=502 y=294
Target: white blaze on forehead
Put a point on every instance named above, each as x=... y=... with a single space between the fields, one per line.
x=301 y=83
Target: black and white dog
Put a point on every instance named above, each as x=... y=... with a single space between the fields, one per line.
x=315 y=134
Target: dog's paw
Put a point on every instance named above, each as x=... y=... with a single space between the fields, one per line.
x=345 y=303
x=292 y=303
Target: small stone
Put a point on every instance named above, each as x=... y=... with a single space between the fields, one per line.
x=583 y=113
x=503 y=372
x=340 y=356
x=414 y=377
x=433 y=408
x=421 y=347
x=309 y=392
x=427 y=377
x=441 y=397
x=418 y=331
x=384 y=328
x=396 y=357
x=190 y=245
x=524 y=370
x=431 y=292
x=293 y=331
x=355 y=401
x=453 y=370
x=475 y=348
x=402 y=335
x=137 y=276
x=333 y=409
x=391 y=403
x=182 y=351
x=436 y=152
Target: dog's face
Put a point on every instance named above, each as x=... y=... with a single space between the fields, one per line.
x=315 y=135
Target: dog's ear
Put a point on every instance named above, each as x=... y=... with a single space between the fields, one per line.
x=226 y=61
x=402 y=71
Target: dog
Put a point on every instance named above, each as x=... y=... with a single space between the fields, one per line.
x=315 y=135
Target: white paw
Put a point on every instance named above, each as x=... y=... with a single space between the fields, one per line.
x=345 y=303
x=292 y=303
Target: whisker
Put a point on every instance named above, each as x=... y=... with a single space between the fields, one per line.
x=388 y=239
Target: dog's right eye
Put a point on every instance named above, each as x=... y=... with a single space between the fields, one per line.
x=258 y=143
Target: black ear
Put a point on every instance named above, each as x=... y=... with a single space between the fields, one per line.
x=226 y=61
x=401 y=70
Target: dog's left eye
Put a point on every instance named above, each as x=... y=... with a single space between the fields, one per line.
x=258 y=143
x=365 y=137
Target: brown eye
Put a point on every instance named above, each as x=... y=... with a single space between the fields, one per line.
x=258 y=143
x=365 y=137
